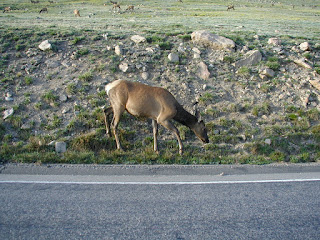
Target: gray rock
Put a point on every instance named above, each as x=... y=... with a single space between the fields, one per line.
x=251 y=58
x=7 y=113
x=266 y=72
x=212 y=41
x=60 y=147
x=203 y=71
x=173 y=57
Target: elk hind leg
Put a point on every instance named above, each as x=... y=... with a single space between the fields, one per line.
x=107 y=112
x=117 y=112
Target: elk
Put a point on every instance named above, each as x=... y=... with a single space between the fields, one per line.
x=34 y=2
x=115 y=5
x=76 y=13
x=155 y=103
x=7 y=9
x=44 y=10
x=230 y=7
x=130 y=8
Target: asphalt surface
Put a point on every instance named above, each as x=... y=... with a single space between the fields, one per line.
x=160 y=202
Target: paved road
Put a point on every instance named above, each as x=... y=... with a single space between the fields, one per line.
x=124 y=202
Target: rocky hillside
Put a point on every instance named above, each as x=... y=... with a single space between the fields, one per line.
x=258 y=95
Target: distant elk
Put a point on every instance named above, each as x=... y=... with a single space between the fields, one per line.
x=34 y=2
x=7 y=9
x=44 y=10
x=156 y=103
x=130 y=8
x=76 y=13
x=231 y=6
x=115 y=5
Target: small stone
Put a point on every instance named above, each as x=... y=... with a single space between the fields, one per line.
x=63 y=98
x=45 y=45
x=145 y=75
x=138 y=39
x=124 y=67
x=305 y=46
x=8 y=113
x=274 y=41
x=118 y=50
x=173 y=57
x=203 y=71
x=267 y=141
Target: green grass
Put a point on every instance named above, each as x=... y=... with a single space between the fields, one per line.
x=169 y=17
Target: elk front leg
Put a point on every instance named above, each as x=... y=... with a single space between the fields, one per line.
x=167 y=124
x=155 y=134
x=107 y=112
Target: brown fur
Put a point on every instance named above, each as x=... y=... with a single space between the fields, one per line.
x=230 y=7
x=115 y=5
x=76 y=13
x=130 y=8
x=7 y=9
x=156 y=103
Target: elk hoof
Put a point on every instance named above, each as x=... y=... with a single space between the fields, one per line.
x=180 y=152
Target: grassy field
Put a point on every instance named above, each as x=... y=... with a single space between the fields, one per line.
x=293 y=130
x=295 y=18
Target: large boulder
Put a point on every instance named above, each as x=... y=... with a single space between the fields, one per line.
x=213 y=41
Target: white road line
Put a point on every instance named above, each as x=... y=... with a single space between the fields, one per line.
x=157 y=183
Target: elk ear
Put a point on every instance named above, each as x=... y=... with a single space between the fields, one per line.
x=196 y=111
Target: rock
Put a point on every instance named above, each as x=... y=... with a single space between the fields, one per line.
x=266 y=72
x=7 y=113
x=138 y=39
x=212 y=41
x=315 y=83
x=60 y=147
x=203 y=71
x=173 y=57
x=45 y=45
x=302 y=63
x=118 y=50
x=63 y=98
x=8 y=97
x=196 y=53
x=145 y=75
x=274 y=41
x=305 y=46
x=267 y=141
x=124 y=67
x=26 y=126
x=251 y=58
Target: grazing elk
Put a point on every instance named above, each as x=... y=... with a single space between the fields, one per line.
x=230 y=7
x=34 y=2
x=44 y=10
x=115 y=6
x=145 y=101
x=76 y=13
x=7 y=9
x=130 y=8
